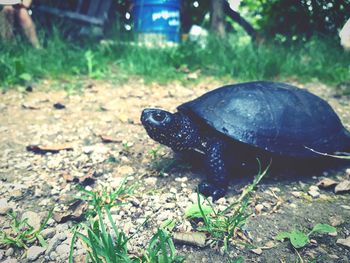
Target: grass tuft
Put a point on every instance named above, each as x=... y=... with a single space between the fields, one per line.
x=222 y=225
x=105 y=242
x=21 y=234
x=317 y=59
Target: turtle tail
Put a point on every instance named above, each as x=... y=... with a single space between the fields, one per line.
x=346 y=150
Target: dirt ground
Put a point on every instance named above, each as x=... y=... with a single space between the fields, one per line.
x=32 y=181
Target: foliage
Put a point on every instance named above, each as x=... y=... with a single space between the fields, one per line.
x=222 y=225
x=298 y=19
x=104 y=196
x=196 y=211
x=299 y=239
x=109 y=244
x=105 y=242
x=21 y=233
x=162 y=164
x=101 y=244
x=234 y=57
x=161 y=249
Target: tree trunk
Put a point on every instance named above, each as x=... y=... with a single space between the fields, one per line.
x=217 y=17
x=240 y=20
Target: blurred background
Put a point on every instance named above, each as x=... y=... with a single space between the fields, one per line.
x=162 y=40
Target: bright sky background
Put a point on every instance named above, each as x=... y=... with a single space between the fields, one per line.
x=234 y=4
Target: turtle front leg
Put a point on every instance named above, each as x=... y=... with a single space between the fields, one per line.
x=217 y=180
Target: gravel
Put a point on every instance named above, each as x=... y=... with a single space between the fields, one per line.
x=32 y=183
x=34 y=252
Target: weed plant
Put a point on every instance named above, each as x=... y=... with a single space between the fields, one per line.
x=222 y=225
x=299 y=239
x=317 y=59
x=104 y=197
x=105 y=242
x=109 y=244
x=21 y=233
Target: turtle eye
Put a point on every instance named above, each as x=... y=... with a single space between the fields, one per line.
x=159 y=116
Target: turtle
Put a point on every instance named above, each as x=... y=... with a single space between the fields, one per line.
x=233 y=125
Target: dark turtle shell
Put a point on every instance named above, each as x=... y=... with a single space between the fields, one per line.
x=276 y=117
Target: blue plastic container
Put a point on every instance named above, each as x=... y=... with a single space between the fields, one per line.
x=158 y=18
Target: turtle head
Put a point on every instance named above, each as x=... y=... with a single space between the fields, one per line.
x=171 y=129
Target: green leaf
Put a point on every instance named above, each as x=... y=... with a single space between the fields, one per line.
x=41 y=240
x=25 y=76
x=323 y=228
x=194 y=211
x=298 y=239
x=239 y=259
x=168 y=224
x=282 y=235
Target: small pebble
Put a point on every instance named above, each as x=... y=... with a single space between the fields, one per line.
x=48 y=232
x=35 y=252
x=53 y=243
x=181 y=179
x=151 y=181
x=259 y=208
x=63 y=250
x=9 y=252
x=53 y=255
x=4 y=206
x=257 y=251
x=10 y=260
x=34 y=219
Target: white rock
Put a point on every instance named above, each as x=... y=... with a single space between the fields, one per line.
x=164 y=215
x=51 y=222
x=34 y=219
x=125 y=170
x=173 y=190
x=9 y=252
x=347 y=172
x=181 y=179
x=38 y=192
x=345 y=242
x=257 y=251
x=61 y=236
x=10 y=260
x=54 y=242
x=169 y=205
x=314 y=191
x=53 y=255
x=63 y=250
x=34 y=252
x=44 y=202
x=140 y=221
x=115 y=182
x=336 y=220
x=259 y=208
x=5 y=207
x=97 y=148
x=342 y=187
x=151 y=181
x=148 y=213
x=193 y=197
x=48 y=232
x=293 y=205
